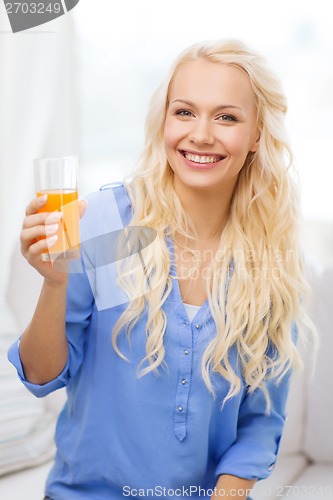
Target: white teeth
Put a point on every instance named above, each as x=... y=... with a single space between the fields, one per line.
x=202 y=159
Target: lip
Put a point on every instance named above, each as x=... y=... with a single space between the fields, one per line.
x=200 y=166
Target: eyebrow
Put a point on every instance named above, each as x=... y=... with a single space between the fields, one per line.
x=218 y=108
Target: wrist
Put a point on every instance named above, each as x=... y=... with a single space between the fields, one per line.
x=233 y=486
x=56 y=284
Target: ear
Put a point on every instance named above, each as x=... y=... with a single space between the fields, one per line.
x=255 y=145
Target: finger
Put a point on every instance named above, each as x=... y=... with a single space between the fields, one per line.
x=82 y=207
x=33 y=233
x=36 y=204
x=30 y=237
x=40 y=246
x=41 y=218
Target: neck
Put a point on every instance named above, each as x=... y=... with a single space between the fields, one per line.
x=208 y=210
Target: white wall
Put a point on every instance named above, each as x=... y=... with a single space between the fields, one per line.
x=38 y=117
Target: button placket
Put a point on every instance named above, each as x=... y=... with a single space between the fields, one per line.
x=184 y=379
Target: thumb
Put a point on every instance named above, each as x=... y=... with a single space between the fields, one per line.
x=82 y=207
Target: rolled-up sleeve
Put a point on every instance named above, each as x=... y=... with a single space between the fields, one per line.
x=78 y=311
x=254 y=452
x=102 y=218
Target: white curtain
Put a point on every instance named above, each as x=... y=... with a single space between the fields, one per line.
x=38 y=117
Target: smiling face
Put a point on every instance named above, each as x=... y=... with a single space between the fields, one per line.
x=210 y=125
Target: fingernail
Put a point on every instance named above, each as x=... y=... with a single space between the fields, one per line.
x=51 y=228
x=42 y=199
x=51 y=241
x=53 y=217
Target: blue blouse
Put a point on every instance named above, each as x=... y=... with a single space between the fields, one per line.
x=160 y=435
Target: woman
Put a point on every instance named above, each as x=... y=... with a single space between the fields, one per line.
x=189 y=399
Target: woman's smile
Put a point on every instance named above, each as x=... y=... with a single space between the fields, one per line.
x=201 y=161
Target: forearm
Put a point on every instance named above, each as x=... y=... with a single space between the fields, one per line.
x=43 y=345
x=233 y=487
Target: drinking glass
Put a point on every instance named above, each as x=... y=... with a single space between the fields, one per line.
x=57 y=177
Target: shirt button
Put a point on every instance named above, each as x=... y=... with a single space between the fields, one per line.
x=186 y=352
x=183 y=381
x=197 y=326
x=271 y=467
x=180 y=408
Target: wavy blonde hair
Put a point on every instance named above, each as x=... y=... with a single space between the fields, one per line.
x=267 y=288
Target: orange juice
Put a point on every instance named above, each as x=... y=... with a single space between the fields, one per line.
x=65 y=201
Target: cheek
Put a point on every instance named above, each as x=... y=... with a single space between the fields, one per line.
x=168 y=136
x=173 y=133
x=237 y=141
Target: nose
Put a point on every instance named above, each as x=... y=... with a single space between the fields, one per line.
x=201 y=132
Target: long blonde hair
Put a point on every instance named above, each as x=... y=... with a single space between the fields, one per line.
x=267 y=288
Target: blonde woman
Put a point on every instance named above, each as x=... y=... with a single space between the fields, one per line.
x=177 y=357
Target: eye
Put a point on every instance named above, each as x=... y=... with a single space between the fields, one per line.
x=184 y=112
x=227 y=118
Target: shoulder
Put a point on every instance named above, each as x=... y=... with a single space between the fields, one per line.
x=108 y=209
x=109 y=197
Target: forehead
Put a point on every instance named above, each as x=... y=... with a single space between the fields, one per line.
x=216 y=83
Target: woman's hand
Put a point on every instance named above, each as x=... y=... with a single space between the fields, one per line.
x=37 y=225
x=232 y=486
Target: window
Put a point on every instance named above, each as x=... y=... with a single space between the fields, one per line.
x=125 y=49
